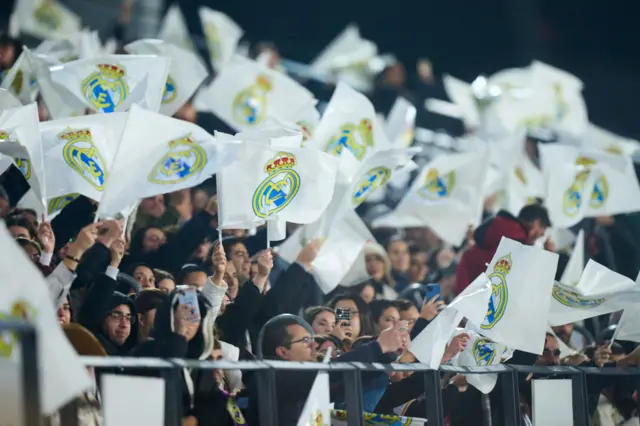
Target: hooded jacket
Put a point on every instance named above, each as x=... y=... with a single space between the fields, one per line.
x=487 y=237
x=200 y=394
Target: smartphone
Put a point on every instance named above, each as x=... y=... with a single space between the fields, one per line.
x=432 y=290
x=189 y=296
x=342 y=315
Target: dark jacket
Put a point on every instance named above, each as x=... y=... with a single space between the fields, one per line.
x=487 y=238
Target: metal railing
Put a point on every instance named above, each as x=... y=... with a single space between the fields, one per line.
x=171 y=370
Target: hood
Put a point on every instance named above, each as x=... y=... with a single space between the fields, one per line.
x=504 y=224
x=201 y=346
x=118 y=299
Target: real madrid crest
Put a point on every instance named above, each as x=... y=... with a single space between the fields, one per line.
x=84 y=157
x=185 y=159
x=357 y=138
x=213 y=41
x=316 y=419
x=23 y=164
x=575 y=194
x=170 y=92
x=249 y=107
x=106 y=88
x=279 y=188
x=435 y=186
x=369 y=182
x=18 y=82
x=47 y=16
x=573 y=299
x=483 y=352
x=19 y=310
x=499 y=292
x=307 y=131
x=58 y=203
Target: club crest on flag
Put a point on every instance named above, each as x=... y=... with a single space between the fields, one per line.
x=499 y=292
x=18 y=83
x=279 y=188
x=23 y=164
x=436 y=186
x=20 y=310
x=573 y=197
x=106 y=88
x=354 y=137
x=47 y=16
x=574 y=300
x=170 y=92
x=83 y=156
x=316 y=419
x=535 y=122
x=250 y=105
x=484 y=352
x=184 y=159
x=58 y=203
x=368 y=183
x=520 y=175
x=306 y=129
x=562 y=106
x=213 y=41
x=234 y=411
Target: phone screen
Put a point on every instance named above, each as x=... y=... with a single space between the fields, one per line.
x=432 y=290
x=189 y=296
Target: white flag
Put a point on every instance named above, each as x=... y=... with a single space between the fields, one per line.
x=8 y=100
x=340 y=260
x=346 y=50
x=429 y=346
x=349 y=122
x=245 y=93
x=267 y=182
x=173 y=28
x=186 y=72
x=599 y=138
x=461 y=94
x=447 y=196
x=78 y=153
x=62 y=375
x=317 y=408
x=482 y=352
x=20 y=139
x=599 y=291
x=573 y=270
x=222 y=35
x=522 y=278
x=44 y=19
x=106 y=84
x=587 y=183
x=21 y=81
x=158 y=155
x=628 y=327
x=401 y=122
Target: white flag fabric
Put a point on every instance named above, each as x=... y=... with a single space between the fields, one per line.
x=349 y=122
x=20 y=80
x=158 y=155
x=307 y=121
x=482 y=352
x=222 y=35
x=599 y=291
x=599 y=138
x=447 y=196
x=401 y=122
x=78 y=153
x=106 y=84
x=269 y=182
x=587 y=183
x=461 y=94
x=522 y=278
x=340 y=260
x=628 y=327
x=186 y=72
x=62 y=375
x=20 y=139
x=573 y=270
x=245 y=93
x=429 y=346
x=347 y=49
x=44 y=19
x=8 y=100
x=173 y=28
x=317 y=408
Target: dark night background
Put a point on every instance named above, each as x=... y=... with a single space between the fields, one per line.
x=597 y=41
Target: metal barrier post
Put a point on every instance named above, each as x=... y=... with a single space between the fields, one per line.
x=353 y=397
x=579 y=390
x=267 y=403
x=69 y=414
x=172 y=399
x=433 y=398
x=30 y=380
x=511 y=398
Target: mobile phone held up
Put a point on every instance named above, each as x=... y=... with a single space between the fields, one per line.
x=189 y=296
x=343 y=315
x=432 y=290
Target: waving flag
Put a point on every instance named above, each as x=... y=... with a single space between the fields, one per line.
x=20 y=80
x=482 y=352
x=349 y=122
x=158 y=155
x=400 y=123
x=8 y=100
x=599 y=138
x=107 y=84
x=186 y=72
x=573 y=270
x=245 y=93
x=587 y=183
x=44 y=19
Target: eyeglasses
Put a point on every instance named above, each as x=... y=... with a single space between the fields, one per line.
x=119 y=316
x=306 y=340
x=555 y=352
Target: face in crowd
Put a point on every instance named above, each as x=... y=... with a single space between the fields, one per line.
x=239 y=256
x=551 y=353
x=375 y=266
x=399 y=256
x=356 y=325
x=324 y=322
x=117 y=325
x=300 y=346
x=144 y=276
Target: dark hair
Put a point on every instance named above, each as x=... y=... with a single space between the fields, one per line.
x=276 y=334
x=187 y=269
x=260 y=47
x=162 y=275
x=138 y=237
x=535 y=212
x=19 y=220
x=366 y=326
x=311 y=313
x=378 y=307
x=227 y=245
x=7 y=40
x=404 y=304
x=150 y=299
x=362 y=341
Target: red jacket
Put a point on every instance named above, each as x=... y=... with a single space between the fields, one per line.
x=487 y=237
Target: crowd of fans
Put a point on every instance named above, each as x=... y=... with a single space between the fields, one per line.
x=122 y=290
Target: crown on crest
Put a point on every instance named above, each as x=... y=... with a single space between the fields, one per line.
x=184 y=140
x=283 y=160
x=112 y=71
x=263 y=82
x=75 y=134
x=585 y=161
x=503 y=265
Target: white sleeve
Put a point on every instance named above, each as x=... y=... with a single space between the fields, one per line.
x=59 y=282
x=45 y=259
x=214 y=295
